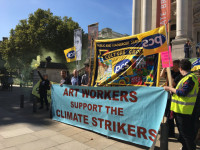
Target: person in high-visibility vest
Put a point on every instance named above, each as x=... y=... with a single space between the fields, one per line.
x=182 y=104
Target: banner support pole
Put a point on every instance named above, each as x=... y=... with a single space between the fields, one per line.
x=169 y=76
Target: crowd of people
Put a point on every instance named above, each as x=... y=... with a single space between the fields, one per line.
x=65 y=79
x=183 y=98
x=183 y=103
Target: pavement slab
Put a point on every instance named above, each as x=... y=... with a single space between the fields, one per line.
x=73 y=145
x=60 y=138
x=100 y=143
x=38 y=145
x=44 y=133
x=9 y=142
x=15 y=132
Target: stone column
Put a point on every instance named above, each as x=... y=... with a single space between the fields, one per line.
x=181 y=18
x=183 y=27
x=136 y=17
x=146 y=15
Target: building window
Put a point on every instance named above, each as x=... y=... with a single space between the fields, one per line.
x=173 y=27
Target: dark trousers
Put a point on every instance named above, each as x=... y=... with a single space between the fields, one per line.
x=43 y=98
x=186 y=128
x=170 y=122
x=187 y=54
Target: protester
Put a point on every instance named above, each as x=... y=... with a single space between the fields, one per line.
x=197 y=113
x=43 y=87
x=65 y=78
x=10 y=82
x=86 y=80
x=183 y=102
x=187 y=48
x=176 y=77
x=76 y=79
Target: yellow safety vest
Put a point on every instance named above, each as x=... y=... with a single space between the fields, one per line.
x=185 y=105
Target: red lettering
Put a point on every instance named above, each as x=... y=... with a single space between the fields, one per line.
x=121 y=127
x=69 y=115
x=58 y=111
x=80 y=117
x=71 y=92
x=76 y=92
x=108 y=125
x=153 y=133
x=107 y=94
x=84 y=105
x=85 y=92
x=94 y=123
x=113 y=110
x=72 y=104
x=114 y=126
x=89 y=107
x=131 y=128
x=141 y=131
x=124 y=95
x=132 y=94
x=85 y=119
x=94 y=107
x=91 y=94
x=65 y=92
x=101 y=121
x=75 y=117
x=107 y=107
x=99 y=94
x=62 y=114
x=100 y=106
x=120 y=111
x=115 y=94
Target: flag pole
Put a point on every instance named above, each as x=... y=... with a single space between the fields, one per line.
x=169 y=76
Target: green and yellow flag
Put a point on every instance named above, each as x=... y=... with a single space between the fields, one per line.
x=70 y=54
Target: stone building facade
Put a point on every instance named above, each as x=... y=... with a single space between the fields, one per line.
x=185 y=22
x=107 y=33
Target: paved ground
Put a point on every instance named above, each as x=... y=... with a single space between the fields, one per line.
x=21 y=129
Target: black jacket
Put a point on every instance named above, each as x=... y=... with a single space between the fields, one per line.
x=44 y=84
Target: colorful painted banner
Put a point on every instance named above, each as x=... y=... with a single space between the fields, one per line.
x=78 y=43
x=130 y=114
x=166 y=58
x=93 y=32
x=70 y=54
x=195 y=64
x=121 y=61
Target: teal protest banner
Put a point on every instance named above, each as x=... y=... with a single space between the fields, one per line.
x=129 y=113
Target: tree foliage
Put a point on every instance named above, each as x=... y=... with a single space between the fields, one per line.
x=42 y=30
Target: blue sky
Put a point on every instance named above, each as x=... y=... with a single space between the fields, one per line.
x=115 y=14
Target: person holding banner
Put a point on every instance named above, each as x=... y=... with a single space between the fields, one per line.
x=183 y=102
x=76 y=79
x=85 y=81
x=176 y=77
x=43 y=87
x=65 y=78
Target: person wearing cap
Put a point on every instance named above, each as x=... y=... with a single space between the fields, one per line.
x=183 y=103
x=86 y=80
x=43 y=87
